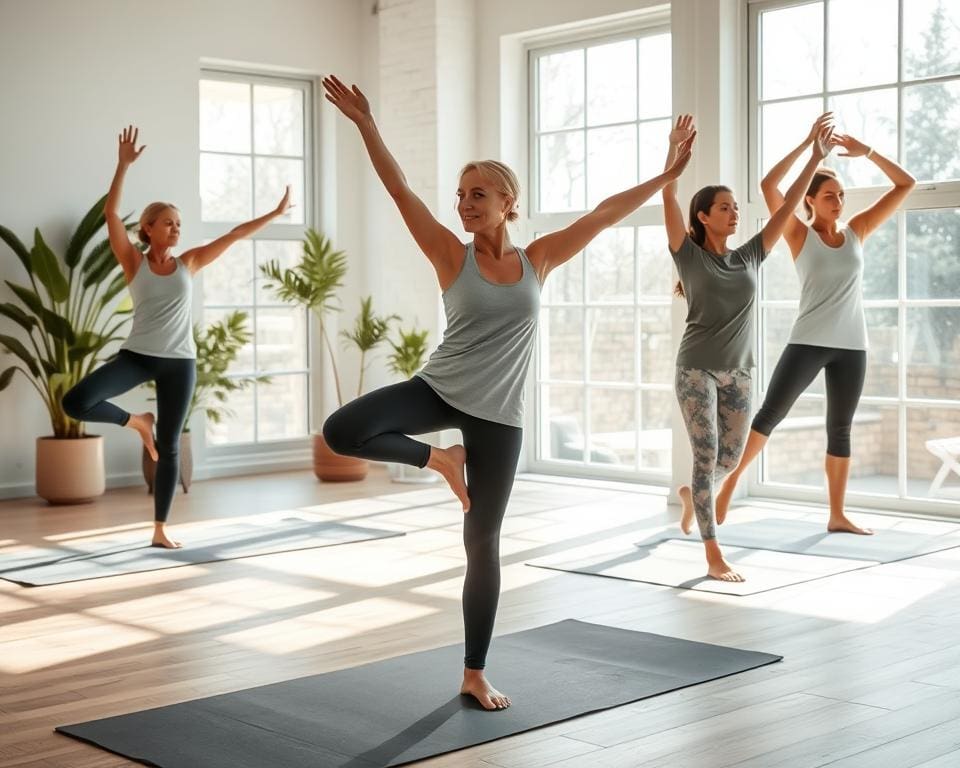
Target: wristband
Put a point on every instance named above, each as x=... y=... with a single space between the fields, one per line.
x=869 y=153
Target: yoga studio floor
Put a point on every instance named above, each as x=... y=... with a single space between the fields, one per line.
x=870 y=675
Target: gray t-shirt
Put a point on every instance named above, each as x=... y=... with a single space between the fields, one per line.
x=720 y=293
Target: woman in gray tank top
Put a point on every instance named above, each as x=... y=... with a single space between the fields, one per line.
x=830 y=332
x=474 y=380
x=160 y=346
x=714 y=382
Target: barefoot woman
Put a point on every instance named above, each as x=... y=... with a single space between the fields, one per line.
x=474 y=380
x=160 y=346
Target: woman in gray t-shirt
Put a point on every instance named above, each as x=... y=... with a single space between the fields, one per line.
x=713 y=380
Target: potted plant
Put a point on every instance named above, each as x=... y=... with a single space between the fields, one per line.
x=406 y=359
x=313 y=283
x=217 y=347
x=67 y=316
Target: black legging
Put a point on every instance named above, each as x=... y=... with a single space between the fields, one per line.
x=175 y=379
x=844 y=371
x=376 y=426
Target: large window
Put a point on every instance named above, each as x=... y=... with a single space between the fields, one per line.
x=890 y=71
x=600 y=114
x=255 y=138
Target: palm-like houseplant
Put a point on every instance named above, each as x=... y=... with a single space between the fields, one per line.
x=67 y=316
x=313 y=283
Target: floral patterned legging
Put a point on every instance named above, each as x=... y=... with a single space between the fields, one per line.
x=716 y=409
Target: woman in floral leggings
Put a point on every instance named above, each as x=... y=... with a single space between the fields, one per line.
x=714 y=383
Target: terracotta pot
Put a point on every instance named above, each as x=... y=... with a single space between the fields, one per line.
x=70 y=470
x=149 y=466
x=332 y=467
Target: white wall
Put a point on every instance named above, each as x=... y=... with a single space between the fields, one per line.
x=72 y=73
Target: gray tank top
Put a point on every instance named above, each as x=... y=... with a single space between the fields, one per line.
x=831 y=293
x=162 y=304
x=481 y=364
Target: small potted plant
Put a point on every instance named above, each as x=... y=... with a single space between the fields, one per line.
x=406 y=359
x=313 y=283
x=217 y=347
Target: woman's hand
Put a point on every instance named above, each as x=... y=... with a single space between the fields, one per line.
x=284 y=205
x=823 y=143
x=128 y=152
x=853 y=147
x=351 y=102
x=684 y=153
x=683 y=130
x=824 y=121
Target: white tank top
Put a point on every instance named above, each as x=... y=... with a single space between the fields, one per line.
x=161 y=312
x=831 y=293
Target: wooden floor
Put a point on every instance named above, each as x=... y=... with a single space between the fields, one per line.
x=870 y=677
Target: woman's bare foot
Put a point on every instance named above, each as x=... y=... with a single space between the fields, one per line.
x=451 y=463
x=142 y=424
x=686 y=516
x=722 y=499
x=160 y=538
x=717 y=567
x=476 y=685
x=842 y=524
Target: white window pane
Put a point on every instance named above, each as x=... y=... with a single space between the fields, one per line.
x=933 y=247
x=933 y=354
x=273 y=174
x=874 y=438
x=779 y=274
x=926 y=425
x=656 y=275
x=791 y=51
x=931 y=126
x=237 y=426
x=229 y=279
x=612 y=83
x=782 y=127
x=565 y=284
x=282 y=408
x=562 y=434
x=655 y=76
x=561 y=341
x=281 y=339
x=613 y=428
x=560 y=87
x=777 y=324
x=611 y=162
x=863 y=43
x=656 y=433
x=225 y=188
x=931 y=38
x=612 y=340
x=224 y=116
x=654 y=140
x=561 y=172
x=870 y=117
x=286 y=252
x=657 y=358
x=794 y=455
x=277 y=120
x=243 y=363
x=880 y=262
x=881 y=379
x=610 y=266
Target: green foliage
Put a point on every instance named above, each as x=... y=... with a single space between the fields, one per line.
x=369 y=331
x=217 y=347
x=408 y=355
x=65 y=316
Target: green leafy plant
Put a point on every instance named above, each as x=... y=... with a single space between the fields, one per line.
x=313 y=283
x=217 y=347
x=67 y=315
x=407 y=356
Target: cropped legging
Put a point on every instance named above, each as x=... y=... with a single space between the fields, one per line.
x=376 y=426
x=844 y=372
x=175 y=379
x=716 y=409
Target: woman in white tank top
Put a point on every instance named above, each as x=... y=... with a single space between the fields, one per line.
x=829 y=333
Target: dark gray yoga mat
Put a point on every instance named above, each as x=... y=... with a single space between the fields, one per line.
x=400 y=710
x=93 y=560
